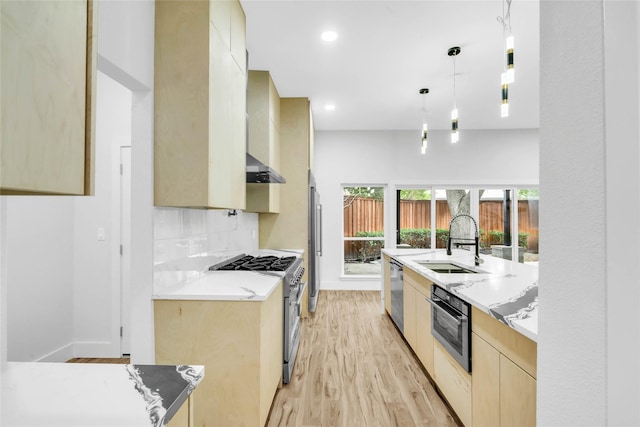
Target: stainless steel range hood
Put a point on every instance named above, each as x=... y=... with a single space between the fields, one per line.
x=259 y=173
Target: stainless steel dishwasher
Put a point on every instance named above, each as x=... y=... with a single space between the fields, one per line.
x=397 y=285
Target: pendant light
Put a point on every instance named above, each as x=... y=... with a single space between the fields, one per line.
x=508 y=76
x=453 y=52
x=423 y=146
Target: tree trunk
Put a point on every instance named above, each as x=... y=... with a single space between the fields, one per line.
x=459 y=202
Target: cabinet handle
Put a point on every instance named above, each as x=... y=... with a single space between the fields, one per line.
x=457 y=319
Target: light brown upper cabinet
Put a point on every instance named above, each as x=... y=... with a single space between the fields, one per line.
x=200 y=104
x=48 y=97
x=264 y=139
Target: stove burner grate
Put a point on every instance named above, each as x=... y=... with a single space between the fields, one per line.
x=251 y=263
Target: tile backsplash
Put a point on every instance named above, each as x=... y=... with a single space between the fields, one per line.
x=180 y=232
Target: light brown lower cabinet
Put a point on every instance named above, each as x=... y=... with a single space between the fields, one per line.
x=417 y=317
x=424 y=338
x=517 y=395
x=184 y=416
x=454 y=382
x=485 y=383
x=240 y=345
x=503 y=392
x=409 y=296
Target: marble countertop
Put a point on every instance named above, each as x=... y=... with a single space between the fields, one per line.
x=190 y=278
x=506 y=290
x=90 y=394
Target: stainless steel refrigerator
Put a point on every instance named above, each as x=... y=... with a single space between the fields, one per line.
x=315 y=242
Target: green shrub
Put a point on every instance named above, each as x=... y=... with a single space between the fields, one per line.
x=368 y=250
x=421 y=237
x=496 y=237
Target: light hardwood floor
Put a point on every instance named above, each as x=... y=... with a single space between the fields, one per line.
x=120 y=360
x=354 y=369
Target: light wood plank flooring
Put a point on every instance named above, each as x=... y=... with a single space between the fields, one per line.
x=120 y=360
x=354 y=369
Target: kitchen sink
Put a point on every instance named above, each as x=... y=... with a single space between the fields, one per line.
x=444 y=267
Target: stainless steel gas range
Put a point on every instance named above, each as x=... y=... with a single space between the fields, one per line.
x=291 y=270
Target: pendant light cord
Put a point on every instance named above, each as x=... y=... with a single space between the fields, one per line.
x=454 y=82
x=505 y=19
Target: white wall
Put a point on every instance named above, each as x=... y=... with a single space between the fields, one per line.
x=38 y=273
x=125 y=48
x=622 y=211
x=589 y=336
x=180 y=233
x=125 y=41
x=96 y=283
x=392 y=158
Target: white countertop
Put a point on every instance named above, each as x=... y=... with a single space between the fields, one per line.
x=190 y=279
x=508 y=291
x=91 y=394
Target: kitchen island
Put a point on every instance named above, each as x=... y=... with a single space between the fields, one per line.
x=507 y=290
x=69 y=394
x=500 y=387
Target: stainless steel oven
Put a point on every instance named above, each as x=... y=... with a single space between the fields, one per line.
x=293 y=291
x=397 y=297
x=451 y=324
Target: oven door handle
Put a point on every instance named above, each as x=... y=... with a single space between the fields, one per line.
x=301 y=289
x=434 y=302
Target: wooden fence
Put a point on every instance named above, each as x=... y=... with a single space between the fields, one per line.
x=365 y=214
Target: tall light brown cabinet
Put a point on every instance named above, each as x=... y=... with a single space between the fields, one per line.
x=200 y=104
x=263 y=106
x=290 y=228
x=47 y=132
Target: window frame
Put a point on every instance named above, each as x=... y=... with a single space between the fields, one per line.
x=383 y=239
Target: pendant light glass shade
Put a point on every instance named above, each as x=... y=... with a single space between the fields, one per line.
x=423 y=148
x=504 y=108
x=454 y=125
x=510 y=66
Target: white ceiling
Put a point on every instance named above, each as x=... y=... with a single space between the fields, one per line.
x=387 y=50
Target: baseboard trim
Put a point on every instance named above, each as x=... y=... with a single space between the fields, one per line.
x=95 y=349
x=58 y=356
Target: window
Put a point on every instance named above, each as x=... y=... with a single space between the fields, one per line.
x=496 y=222
x=413 y=225
x=499 y=211
x=363 y=230
x=528 y=203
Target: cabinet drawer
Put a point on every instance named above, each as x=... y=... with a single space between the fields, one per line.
x=454 y=382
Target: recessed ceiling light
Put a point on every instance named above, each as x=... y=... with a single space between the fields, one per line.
x=329 y=107
x=329 y=36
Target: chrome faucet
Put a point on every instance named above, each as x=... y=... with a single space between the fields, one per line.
x=465 y=241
